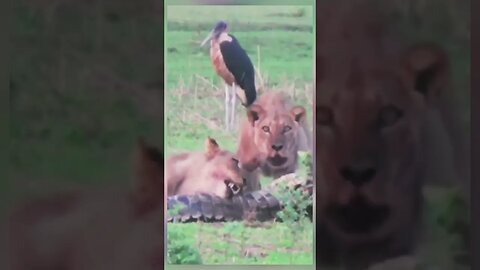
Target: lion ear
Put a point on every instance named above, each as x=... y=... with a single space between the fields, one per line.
x=148 y=180
x=149 y=160
x=212 y=147
x=299 y=113
x=254 y=113
x=426 y=69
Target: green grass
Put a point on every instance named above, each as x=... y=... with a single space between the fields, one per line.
x=440 y=246
x=282 y=56
x=253 y=16
x=235 y=243
x=280 y=43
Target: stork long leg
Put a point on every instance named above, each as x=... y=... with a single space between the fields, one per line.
x=233 y=106
x=227 y=102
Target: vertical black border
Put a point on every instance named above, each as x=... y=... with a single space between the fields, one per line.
x=160 y=6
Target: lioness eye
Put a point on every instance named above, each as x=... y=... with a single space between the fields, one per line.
x=389 y=115
x=286 y=128
x=324 y=116
x=266 y=129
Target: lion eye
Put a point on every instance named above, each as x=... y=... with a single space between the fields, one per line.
x=287 y=128
x=389 y=115
x=266 y=129
x=235 y=161
x=324 y=116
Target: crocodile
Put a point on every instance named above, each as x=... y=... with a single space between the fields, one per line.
x=261 y=205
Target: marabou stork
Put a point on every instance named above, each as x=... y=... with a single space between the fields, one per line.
x=232 y=63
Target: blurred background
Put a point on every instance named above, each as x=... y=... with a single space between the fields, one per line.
x=445 y=240
x=87 y=80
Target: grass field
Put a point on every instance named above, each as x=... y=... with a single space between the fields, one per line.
x=236 y=243
x=280 y=43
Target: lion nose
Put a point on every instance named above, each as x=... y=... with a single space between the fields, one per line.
x=277 y=147
x=358 y=175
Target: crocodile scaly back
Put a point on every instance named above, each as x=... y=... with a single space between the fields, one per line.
x=259 y=205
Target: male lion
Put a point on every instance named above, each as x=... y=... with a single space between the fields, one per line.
x=372 y=99
x=271 y=137
x=214 y=171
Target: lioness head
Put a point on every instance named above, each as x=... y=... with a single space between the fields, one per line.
x=370 y=104
x=221 y=171
x=275 y=134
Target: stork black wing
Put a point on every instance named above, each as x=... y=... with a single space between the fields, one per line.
x=240 y=65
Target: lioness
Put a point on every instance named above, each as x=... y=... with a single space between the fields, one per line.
x=111 y=228
x=372 y=98
x=271 y=137
x=213 y=171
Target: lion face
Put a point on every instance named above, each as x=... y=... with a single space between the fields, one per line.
x=369 y=116
x=275 y=134
x=220 y=174
x=225 y=172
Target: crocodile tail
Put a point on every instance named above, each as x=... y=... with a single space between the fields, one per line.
x=258 y=205
x=203 y=207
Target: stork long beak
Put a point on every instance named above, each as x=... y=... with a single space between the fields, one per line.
x=207 y=39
